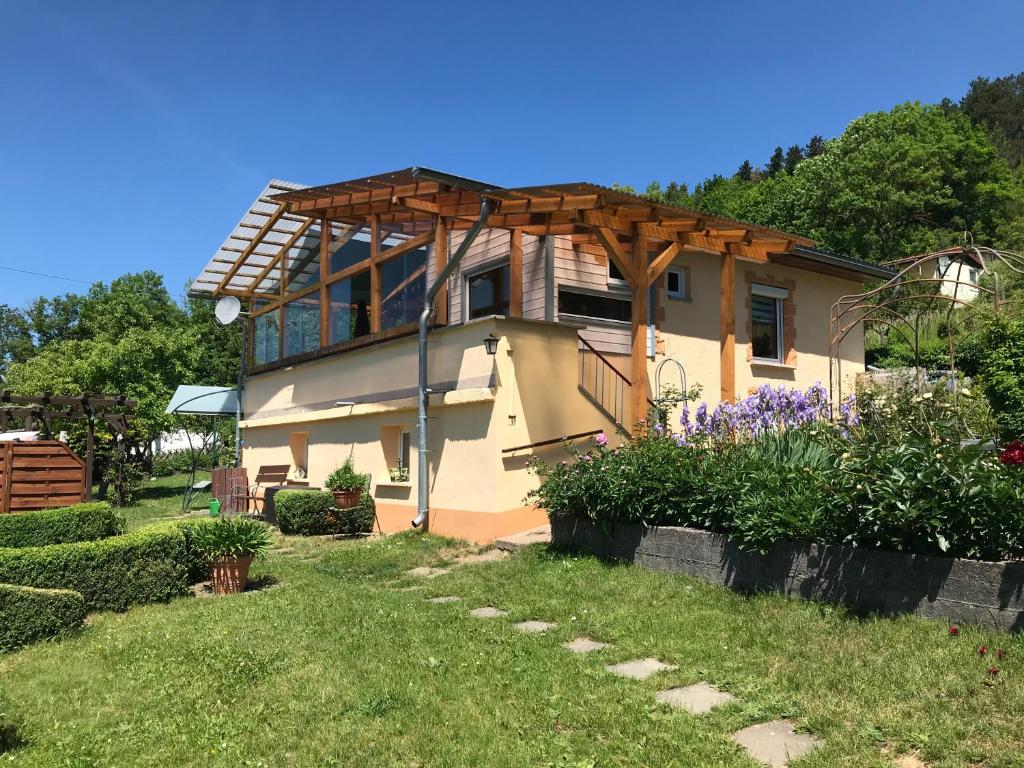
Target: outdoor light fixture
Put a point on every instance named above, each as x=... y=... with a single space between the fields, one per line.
x=491 y=344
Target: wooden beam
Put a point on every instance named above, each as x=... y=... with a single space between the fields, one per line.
x=409 y=245
x=515 y=274
x=727 y=327
x=374 y=223
x=325 y=271
x=440 y=260
x=638 y=331
x=267 y=226
x=615 y=252
x=599 y=219
x=661 y=262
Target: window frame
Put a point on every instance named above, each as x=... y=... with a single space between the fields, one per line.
x=613 y=282
x=589 y=319
x=683 y=292
x=779 y=296
x=495 y=265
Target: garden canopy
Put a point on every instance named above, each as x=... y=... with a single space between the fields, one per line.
x=193 y=400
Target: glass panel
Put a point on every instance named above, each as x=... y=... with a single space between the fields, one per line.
x=302 y=325
x=403 y=283
x=488 y=293
x=349 y=311
x=764 y=322
x=304 y=261
x=355 y=250
x=266 y=337
x=405 y=450
x=614 y=273
x=591 y=305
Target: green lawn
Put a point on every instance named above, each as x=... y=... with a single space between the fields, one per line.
x=334 y=666
x=160 y=499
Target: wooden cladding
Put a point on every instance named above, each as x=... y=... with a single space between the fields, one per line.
x=39 y=475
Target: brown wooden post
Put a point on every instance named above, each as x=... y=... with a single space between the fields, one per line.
x=90 y=439
x=325 y=271
x=374 y=223
x=638 y=330
x=515 y=274
x=8 y=464
x=727 y=326
x=440 y=261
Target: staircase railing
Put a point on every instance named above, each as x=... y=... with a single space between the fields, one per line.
x=604 y=384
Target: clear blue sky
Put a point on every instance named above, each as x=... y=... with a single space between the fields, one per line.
x=135 y=134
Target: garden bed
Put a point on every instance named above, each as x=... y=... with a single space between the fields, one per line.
x=990 y=594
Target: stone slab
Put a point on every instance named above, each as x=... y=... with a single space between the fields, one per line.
x=695 y=699
x=539 y=535
x=990 y=594
x=775 y=743
x=585 y=645
x=427 y=572
x=534 y=626
x=444 y=599
x=639 y=669
x=487 y=612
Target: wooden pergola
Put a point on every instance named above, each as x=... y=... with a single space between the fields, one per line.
x=422 y=206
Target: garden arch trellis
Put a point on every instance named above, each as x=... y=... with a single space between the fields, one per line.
x=913 y=289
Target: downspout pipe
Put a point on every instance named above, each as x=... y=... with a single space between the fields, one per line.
x=422 y=481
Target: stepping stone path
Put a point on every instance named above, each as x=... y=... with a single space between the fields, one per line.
x=487 y=612
x=639 y=669
x=444 y=599
x=695 y=699
x=775 y=743
x=584 y=645
x=534 y=626
x=427 y=572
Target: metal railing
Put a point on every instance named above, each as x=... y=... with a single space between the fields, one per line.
x=604 y=384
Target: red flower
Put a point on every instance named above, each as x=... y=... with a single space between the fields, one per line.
x=982 y=651
x=993 y=671
x=1000 y=653
x=1013 y=453
x=954 y=631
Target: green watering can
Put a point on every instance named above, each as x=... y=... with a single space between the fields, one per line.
x=214 y=507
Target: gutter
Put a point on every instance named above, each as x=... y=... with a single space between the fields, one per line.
x=834 y=260
x=423 y=394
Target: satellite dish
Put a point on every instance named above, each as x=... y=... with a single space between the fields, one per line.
x=227 y=310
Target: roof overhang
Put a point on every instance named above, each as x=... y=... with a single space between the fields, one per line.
x=284 y=224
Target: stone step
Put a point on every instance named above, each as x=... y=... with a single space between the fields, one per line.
x=776 y=743
x=538 y=535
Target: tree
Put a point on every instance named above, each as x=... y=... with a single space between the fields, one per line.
x=15 y=337
x=775 y=163
x=999 y=106
x=793 y=157
x=55 y=318
x=745 y=172
x=814 y=147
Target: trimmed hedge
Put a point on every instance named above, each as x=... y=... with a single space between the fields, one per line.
x=81 y=522
x=28 y=614
x=150 y=565
x=312 y=513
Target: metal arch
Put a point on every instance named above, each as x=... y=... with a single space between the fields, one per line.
x=880 y=304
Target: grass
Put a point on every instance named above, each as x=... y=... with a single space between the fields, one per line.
x=160 y=499
x=335 y=666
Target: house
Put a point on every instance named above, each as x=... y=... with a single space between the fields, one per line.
x=956 y=271
x=554 y=309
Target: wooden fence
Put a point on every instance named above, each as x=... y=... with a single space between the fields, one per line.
x=39 y=474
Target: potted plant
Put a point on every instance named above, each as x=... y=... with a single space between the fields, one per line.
x=347 y=485
x=230 y=544
x=399 y=474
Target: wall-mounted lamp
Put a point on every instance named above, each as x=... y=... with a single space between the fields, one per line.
x=491 y=344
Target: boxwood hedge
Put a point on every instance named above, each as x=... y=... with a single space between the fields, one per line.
x=150 y=565
x=28 y=614
x=312 y=513
x=81 y=522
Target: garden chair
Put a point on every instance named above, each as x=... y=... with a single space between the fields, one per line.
x=242 y=493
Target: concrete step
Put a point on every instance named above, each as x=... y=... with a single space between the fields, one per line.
x=539 y=535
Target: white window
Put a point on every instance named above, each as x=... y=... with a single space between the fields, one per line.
x=615 y=277
x=404 y=450
x=675 y=283
x=766 y=323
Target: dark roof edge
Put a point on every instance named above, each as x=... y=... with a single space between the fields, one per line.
x=844 y=262
x=455 y=182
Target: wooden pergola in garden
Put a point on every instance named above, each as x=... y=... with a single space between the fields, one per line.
x=422 y=206
x=42 y=410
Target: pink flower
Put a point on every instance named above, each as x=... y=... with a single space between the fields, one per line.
x=982 y=651
x=601 y=440
x=1013 y=453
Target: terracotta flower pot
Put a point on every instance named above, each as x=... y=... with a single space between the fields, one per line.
x=346 y=499
x=230 y=574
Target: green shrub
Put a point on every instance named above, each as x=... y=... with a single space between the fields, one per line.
x=1002 y=371
x=345 y=478
x=28 y=614
x=312 y=513
x=81 y=522
x=152 y=564
x=197 y=567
